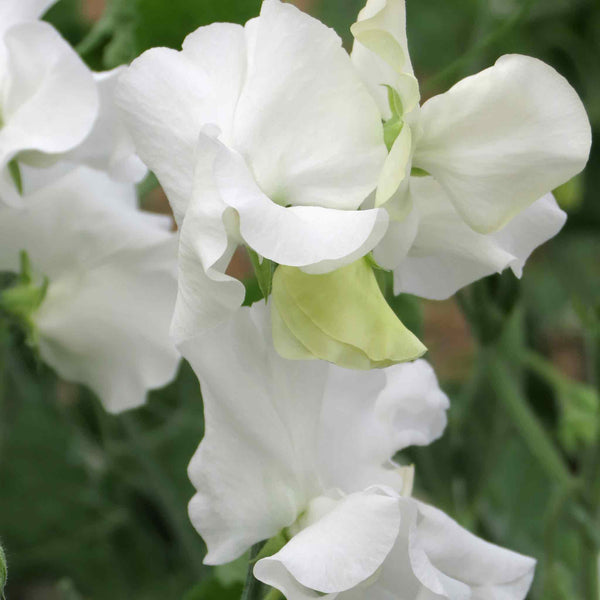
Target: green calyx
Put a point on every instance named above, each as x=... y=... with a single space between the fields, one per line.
x=20 y=301
x=393 y=126
x=341 y=317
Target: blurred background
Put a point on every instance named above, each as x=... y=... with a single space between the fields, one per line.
x=93 y=506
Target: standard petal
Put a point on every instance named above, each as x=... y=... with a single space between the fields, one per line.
x=167 y=97
x=105 y=318
x=380 y=51
x=321 y=239
x=447 y=255
x=455 y=564
x=306 y=124
x=255 y=469
x=109 y=146
x=501 y=139
x=341 y=549
x=51 y=101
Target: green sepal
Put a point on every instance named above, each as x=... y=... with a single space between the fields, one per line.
x=341 y=317
x=393 y=126
x=417 y=172
x=263 y=269
x=23 y=298
x=15 y=173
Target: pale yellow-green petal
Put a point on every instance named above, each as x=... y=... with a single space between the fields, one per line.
x=341 y=317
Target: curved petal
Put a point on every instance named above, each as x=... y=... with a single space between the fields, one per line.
x=530 y=229
x=397 y=241
x=51 y=101
x=341 y=549
x=305 y=123
x=167 y=97
x=105 y=318
x=206 y=295
x=447 y=254
x=255 y=469
x=19 y=11
x=380 y=51
x=109 y=147
x=360 y=437
x=455 y=564
x=395 y=167
x=501 y=139
x=299 y=236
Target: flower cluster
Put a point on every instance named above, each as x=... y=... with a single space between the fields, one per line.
x=325 y=166
x=94 y=281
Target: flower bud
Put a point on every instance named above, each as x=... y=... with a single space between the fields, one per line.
x=341 y=317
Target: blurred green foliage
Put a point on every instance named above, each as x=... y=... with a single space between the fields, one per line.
x=83 y=507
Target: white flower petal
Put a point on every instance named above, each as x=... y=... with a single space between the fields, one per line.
x=455 y=564
x=19 y=11
x=530 y=229
x=341 y=549
x=361 y=436
x=395 y=167
x=104 y=321
x=108 y=146
x=305 y=123
x=255 y=469
x=298 y=236
x=167 y=97
x=380 y=51
x=447 y=255
x=51 y=100
x=501 y=139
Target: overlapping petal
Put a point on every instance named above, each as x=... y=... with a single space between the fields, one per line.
x=13 y=12
x=105 y=318
x=50 y=100
x=380 y=51
x=447 y=254
x=455 y=564
x=342 y=548
x=307 y=126
x=267 y=454
x=500 y=140
x=108 y=146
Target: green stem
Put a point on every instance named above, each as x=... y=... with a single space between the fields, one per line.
x=524 y=419
x=591 y=478
x=274 y=594
x=164 y=492
x=252 y=586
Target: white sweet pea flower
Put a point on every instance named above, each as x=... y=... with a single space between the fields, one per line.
x=48 y=98
x=304 y=454
x=261 y=135
x=104 y=317
x=494 y=145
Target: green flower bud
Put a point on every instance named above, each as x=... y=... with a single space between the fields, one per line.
x=341 y=317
